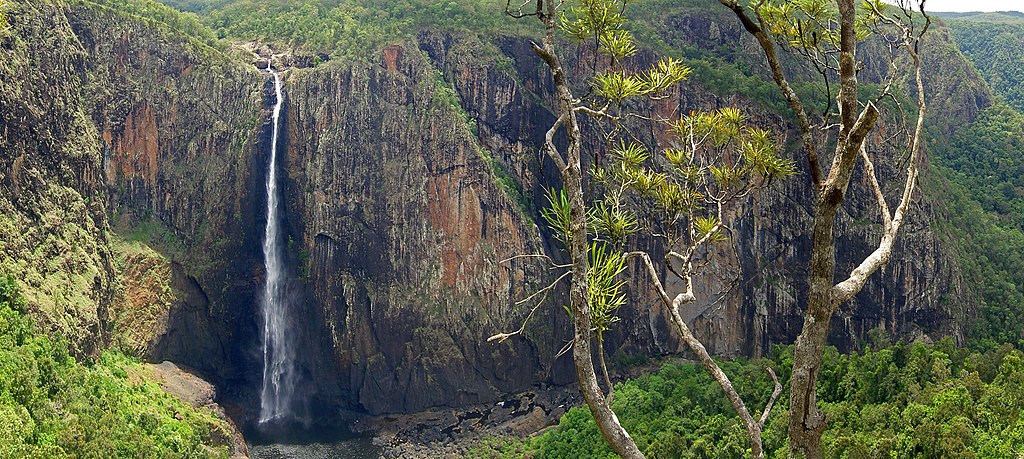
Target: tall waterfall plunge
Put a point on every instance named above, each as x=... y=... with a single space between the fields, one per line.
x=278 y=333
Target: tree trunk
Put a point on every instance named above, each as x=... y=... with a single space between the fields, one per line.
x=572 y=178
x=806 y=423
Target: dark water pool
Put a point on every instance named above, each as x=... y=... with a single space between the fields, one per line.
x=328 y=440
x=356 y=448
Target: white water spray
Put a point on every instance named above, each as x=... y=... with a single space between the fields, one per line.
x=278 y=352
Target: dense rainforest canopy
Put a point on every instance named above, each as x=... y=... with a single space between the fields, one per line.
x=898 y=401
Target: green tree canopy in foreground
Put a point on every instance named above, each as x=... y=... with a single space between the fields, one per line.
x=899 y=401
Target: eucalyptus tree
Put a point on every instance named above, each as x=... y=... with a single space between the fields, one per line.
x=714 y=161
x=825 y=34
x=598 y=21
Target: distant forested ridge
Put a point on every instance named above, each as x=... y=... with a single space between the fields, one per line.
x=994 y=43
x=981 y=176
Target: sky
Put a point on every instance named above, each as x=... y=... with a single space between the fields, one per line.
x=974 y=5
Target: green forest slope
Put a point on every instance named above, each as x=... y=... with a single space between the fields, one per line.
x=981 y=176
x=54 y=407
x=994 y=43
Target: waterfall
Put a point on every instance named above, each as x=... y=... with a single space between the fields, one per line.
x=278 y=350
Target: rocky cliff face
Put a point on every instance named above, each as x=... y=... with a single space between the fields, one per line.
x=114 y=122
x=754 y=293
x=409 y=181
x=53 y=221
x=109 y=118
x=179 y=127
x=406 y=229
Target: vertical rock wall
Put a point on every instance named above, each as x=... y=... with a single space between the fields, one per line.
x=410 y=181
x=406 y=230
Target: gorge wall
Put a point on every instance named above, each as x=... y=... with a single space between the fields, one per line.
x=131 y=135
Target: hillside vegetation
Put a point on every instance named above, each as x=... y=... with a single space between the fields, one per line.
x=994 y=43
x=980 y=184
x=52 y=406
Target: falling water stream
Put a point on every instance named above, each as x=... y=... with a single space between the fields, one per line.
x=278 y=350
x=283 y=433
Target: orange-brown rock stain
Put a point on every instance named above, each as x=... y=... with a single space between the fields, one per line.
x=391 y=56
x=135 y=151
x=454 y=210
x=666 y=108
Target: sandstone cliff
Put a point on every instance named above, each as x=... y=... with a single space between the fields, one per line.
x=408 y=181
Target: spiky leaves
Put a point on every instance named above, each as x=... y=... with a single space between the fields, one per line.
x=601 y=22
x=604 y=285
x=813 y=24
x=716 y=159
x=617 y=86
x=601 y=26
x=608 y=226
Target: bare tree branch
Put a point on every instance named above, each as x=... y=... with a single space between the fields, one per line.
x=501 y=337
x=771 y=401
x=869 y=170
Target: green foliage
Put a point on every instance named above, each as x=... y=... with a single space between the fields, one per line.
x=3 y=19
x=605 y=263
x=983 y=210
x=987 y=159
x=195 y=6
x=814 y=24
x=184 y=23
x=995 y=45
x=601 y=22
x=604 y=286
x=903 y=401
x=611 y=222
x=508 y=182
x=600 y=25
x=617 y=86
x=51 y=406
x=342 y=28
x=152 y=231
x=719 y=159
x=559 y=215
